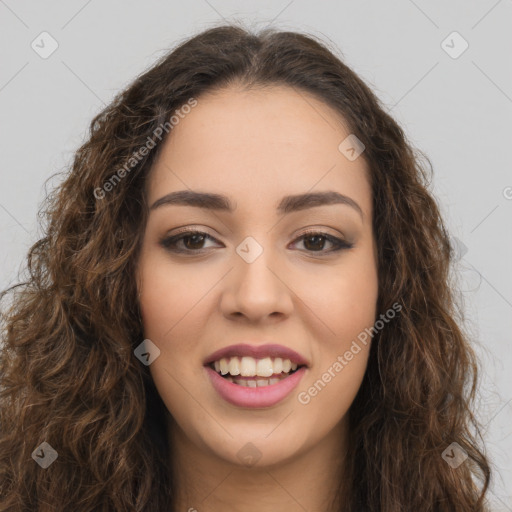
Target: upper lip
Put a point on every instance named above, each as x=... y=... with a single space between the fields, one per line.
x=257 y=352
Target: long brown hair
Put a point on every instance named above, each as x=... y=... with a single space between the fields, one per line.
x=68 y=374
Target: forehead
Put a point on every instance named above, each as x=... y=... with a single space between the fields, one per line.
x=257 y=146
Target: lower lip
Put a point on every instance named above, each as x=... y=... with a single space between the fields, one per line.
x=265 y=396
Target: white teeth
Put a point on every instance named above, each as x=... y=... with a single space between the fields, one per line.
x=250 y=367
x=254 y=383
x=264 y=367
x=234 y=366
x=224 y=366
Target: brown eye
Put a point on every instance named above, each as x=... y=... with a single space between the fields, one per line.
x=191 y=241
x=194 y=241
x=315 y=242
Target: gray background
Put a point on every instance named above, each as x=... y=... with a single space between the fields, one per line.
x=457 y=110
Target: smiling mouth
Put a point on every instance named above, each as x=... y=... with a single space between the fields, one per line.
x=250 y=372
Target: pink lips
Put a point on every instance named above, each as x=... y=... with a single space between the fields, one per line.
x=258 y=352
x=258 y=397
x=254 y=397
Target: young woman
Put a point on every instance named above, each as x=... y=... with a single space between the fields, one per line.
x=242 y=302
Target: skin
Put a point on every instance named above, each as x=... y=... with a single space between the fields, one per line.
x=256 y=147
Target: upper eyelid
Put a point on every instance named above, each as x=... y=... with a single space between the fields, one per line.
x=192 y=229
x=307 y=231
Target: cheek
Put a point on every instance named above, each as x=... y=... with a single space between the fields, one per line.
x=332 y=391
x=168 y=294
x=174 y=310
x=171 y=314
x=341 y=364
x=343 y=300
x=346 y=303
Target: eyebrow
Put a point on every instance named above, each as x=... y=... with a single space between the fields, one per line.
x=287 y=204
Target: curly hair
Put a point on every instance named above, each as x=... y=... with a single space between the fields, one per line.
x=68 y=374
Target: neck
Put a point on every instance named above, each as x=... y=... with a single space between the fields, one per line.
x=307 y=481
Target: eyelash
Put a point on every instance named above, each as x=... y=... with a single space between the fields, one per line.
x=169 y=243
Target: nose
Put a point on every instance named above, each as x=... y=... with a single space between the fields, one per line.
x=257 y=290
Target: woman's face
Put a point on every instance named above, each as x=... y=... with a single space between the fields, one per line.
x=253 y=278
